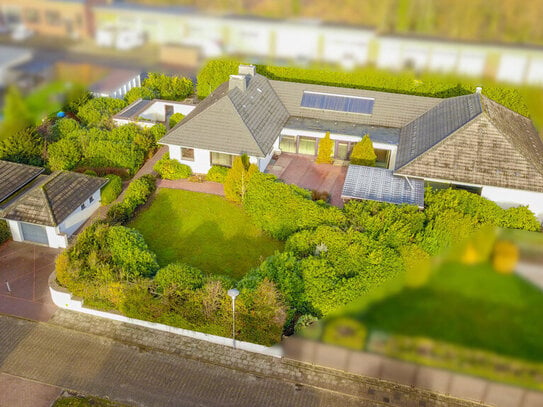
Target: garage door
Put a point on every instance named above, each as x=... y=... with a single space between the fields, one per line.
x=34 y=233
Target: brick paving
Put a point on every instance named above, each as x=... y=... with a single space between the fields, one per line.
x=140 y=376
x=207 y=187
x=26 y=268
x=304 y=172
x=19 y=392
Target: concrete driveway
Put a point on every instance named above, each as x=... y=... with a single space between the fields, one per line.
x=26 y=268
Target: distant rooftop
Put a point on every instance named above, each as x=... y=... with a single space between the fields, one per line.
x=114 y=80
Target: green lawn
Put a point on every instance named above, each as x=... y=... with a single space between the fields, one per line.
x=471 y=306
x=205 y=231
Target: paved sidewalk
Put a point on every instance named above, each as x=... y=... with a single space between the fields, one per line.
x=207 y=187
x=312 y=385
x=140 y=376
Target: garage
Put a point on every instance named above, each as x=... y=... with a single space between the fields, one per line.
x=34 y=233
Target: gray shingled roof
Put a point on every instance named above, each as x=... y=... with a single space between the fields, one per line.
x=51 y=201
x=498 y=148
x=14 y=176
x=389 y=109
x=380 y=184
x=233 y=121
x=435 y=125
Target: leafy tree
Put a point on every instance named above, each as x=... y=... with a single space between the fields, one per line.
x=214 y=73
x=24 y=147
x=363 y=152
x=65 y=154
x=98 y=111
x=157 y=131
x=111 y=190
x=168 y=87
x=175 y=118
x=238 y=178
x=17 y=117
x=76 y=96
x=65 y=127
x=326 y=147
x=139 y=93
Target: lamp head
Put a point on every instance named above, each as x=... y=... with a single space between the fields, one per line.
x=233 y=293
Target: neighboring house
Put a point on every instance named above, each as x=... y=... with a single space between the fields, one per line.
x=146 y=113
x=116 y=83
x=10 y=57
x=467 y=141
x=46 y=209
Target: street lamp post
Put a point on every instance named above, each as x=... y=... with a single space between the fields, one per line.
x=233 y=293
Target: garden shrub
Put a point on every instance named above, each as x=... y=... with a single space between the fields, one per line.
x=175 y=118
x=345 y=332
x=157 y=131
x=363 y=152
x=5 y=233
x=214 y=73
x=417 y=264
x=139 y=92
x=168 y=87
x=238 y=178
x=217 y=173
x=112 y=189
x=171 y=169
x=119 y=213
x=91 y=173
x=505 y=256
x=140 y=190
x=326 y=146
x=282 y=209
x=179 y=277
x=25 y=147
x=308 y=327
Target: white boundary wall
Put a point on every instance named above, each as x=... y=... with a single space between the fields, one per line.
x=507 y=198
x=63 y=299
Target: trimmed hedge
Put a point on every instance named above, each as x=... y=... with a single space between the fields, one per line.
x=112 y=189
x=217 y=71
x=137 y=194
x=217 y=173
x=171 y=169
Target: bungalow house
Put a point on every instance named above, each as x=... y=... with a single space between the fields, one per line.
x=467 y=141
x=46 y=209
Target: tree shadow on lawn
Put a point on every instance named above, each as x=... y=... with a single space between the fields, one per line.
x=206 y=244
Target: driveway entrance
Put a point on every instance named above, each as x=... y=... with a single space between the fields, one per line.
x=26 y=267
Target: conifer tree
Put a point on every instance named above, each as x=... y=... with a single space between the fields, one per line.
x=363 y=152
x=326 y=146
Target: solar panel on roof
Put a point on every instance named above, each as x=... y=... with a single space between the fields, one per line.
x=340 y=103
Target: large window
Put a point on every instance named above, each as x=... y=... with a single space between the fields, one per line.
x=307 y=145
x=383 y=157
x=32 y=15
x=187 y=154
x=52 y=17
x=343 y=150
x=222 y=159
x=288 y=144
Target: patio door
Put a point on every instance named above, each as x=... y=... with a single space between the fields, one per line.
x=307 y=145
x=34 y=233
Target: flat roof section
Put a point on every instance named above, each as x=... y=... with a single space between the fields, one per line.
x=380 y=184
x=385 y=135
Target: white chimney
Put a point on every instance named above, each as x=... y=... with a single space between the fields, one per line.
x=478 y=89
x=238 y=81
x=247 y=70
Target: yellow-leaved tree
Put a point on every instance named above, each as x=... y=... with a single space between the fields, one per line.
x=237 y=179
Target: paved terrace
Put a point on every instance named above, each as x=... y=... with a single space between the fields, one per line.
x=304 y=172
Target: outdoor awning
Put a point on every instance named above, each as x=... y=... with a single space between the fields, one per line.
x=380 y=184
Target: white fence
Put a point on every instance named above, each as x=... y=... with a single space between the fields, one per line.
x=63 y=299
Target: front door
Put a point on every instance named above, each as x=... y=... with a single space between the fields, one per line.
x=34 y=233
